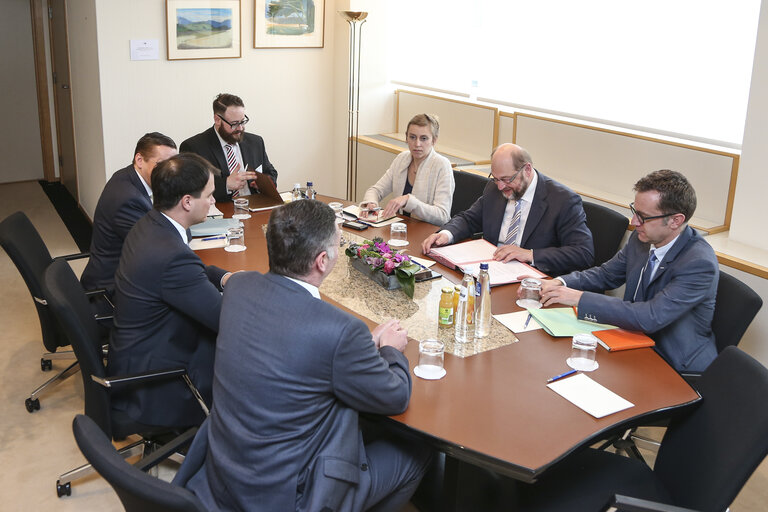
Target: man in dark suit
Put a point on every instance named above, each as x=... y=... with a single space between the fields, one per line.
x=228 y=147
x=292 y=372
x=167 y=303
x=669 y=270
x=530 y=217
x=126 y=198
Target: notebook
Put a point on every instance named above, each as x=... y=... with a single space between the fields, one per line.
x=621 y=339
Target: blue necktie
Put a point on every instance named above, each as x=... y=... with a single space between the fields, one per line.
x=648 y=272
x=514 y=227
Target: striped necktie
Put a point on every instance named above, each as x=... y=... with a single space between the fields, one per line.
x=231 y=163
x=514 y=227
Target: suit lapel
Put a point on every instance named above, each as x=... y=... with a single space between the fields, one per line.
x=218 y=152
x=680 y=244
x=538 y=207
x=135 y=180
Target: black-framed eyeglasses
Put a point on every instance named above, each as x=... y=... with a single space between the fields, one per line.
x=643 y=219
x=506 y=181
x=236 y=124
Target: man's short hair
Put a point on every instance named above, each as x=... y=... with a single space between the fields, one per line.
x=676 y=195
x=297 y=233
x=225 y=100
x=520 y=157
x=147 y=143
x=182 y=174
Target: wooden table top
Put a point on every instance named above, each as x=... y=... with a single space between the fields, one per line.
x=494 y=408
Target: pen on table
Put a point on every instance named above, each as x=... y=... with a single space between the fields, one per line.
x=527 y=321
x=219 y=237
x=558 y=377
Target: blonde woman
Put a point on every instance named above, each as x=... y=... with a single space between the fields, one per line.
x=420 y=179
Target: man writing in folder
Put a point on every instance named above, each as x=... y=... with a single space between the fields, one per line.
x=670 y=274
x=530 y=217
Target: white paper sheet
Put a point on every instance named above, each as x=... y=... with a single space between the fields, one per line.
x=197 y=244
x=590 y=396
x=423 y=262
x=503 y=273
x=515 y=322
x=215 y=212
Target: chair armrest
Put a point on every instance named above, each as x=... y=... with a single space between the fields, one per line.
x=166 y=450
x=118 y=381
x=70 y=257
x=103 y=293
x=620 y=503
x=101 y=318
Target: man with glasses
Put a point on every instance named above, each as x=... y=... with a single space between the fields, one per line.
x=238 y=155
x=530 y=217
x=670 y=274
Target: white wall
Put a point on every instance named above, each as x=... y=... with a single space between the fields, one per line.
x=20 y=151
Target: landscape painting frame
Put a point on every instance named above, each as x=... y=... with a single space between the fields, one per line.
x=203 y=29
x=301 y=25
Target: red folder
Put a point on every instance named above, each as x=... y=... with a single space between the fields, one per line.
x=621 y=339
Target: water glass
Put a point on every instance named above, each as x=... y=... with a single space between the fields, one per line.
x=338 y=210
x=583 y=352
x=236 y=240
x=398 y=234
x=530 y=293
x=431 y=357
x=241 y=209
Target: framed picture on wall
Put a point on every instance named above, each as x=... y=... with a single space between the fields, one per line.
x=288 y=23
x=203 y=29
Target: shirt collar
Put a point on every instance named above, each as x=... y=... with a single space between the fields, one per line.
x=309 y=287
x=222 y=141
x=661 y=251
x=182 y=231
x=531 y=191
x=146 y=185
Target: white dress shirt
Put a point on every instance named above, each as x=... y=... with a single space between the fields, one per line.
x=525 y=209
x=245 y=191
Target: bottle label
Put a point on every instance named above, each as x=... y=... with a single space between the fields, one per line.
x=463 y=294
x=445 y=316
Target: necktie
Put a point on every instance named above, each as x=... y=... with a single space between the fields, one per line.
x=514 y=227
x=231 y=163
x=648 y=272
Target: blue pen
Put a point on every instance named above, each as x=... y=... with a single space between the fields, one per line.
x=220 y=237
x=527 y=321
x=558 y=377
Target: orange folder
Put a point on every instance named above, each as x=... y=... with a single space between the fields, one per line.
x=621 y=339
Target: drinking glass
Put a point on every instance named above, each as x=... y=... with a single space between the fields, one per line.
x=338 y=210
x=398 y=235
x=241 y=209
x=583 y=352
x=530 y=293
x=431 y=357
x=236 y=240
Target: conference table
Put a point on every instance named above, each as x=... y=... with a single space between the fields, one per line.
x=493 y=408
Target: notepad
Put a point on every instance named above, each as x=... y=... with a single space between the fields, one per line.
x=561 y=322
x=353 y=212
x=589 y=396
x=515 y=322
x=214 y=227
x=621 y=339
x=198 y=244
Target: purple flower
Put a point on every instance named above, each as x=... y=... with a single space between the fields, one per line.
x=389 y=266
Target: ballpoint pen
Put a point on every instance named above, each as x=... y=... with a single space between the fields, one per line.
x=558 y=377
x=219 y=237
x=527 y=321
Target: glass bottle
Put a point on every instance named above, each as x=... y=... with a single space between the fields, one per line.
x=296 y=194
x=483 y=303
x=445 y=310
x=310 y=192
x=463 y=313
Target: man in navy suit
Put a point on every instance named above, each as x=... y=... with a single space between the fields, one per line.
x=167 y=302
x=669 y=270
x=530 y=217
x=226 y=146
x=292 y=373
x=126 y=198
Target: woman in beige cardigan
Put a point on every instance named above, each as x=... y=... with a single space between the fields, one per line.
x=420 y=179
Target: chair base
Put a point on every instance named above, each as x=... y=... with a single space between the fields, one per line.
x=33 y=403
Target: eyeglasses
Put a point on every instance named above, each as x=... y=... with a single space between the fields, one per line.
x=506 y=181
x=643 y=219
x=236 y=124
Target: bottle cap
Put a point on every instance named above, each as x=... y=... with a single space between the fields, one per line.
x=447 y=289
x=309 y=183
x=295 y=185
x=483 y=266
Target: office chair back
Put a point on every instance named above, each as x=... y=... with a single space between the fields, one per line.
x=28 y=252
x=138 y=491
x=70 y=305
x=469 y=186
x=607 y=227
x=706 y=457
x=736 y=305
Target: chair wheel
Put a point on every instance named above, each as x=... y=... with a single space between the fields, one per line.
x=63 y=490
x=46 y=364
x=32 y=405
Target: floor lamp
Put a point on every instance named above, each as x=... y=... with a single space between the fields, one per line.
x=355 y=20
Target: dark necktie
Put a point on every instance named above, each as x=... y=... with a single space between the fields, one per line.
x=648 y=272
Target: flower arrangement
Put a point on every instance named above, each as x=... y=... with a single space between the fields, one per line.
x=381 y=258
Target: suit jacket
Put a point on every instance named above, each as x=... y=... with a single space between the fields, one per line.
x=167 y=306
x=432 y=193
x=556 y=228
x=284 y=431
x=675 y=310
x=207 y=145
x=123 y=201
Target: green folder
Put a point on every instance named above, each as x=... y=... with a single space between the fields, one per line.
x=561 y=322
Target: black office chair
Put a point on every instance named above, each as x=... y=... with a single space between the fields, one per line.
x=28 y=252
x=704 y=460
x=469 y=186
x=607 y=227
x=71 y=307
x=138 y=491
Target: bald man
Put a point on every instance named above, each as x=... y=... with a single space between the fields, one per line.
x=530 y=217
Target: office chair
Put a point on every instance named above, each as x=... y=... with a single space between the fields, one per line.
x=705 y=458
x=138 y=491
x=469 y=186
x=607 y=227
x=28 y=252
x=71 y=307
